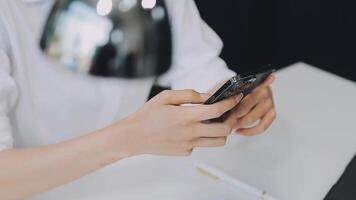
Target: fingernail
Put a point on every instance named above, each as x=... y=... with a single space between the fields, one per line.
x=239 y=97
x=237 y=132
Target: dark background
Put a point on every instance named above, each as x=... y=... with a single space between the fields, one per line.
x=281 y=32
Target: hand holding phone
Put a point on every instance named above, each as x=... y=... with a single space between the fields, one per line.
x=235 y=86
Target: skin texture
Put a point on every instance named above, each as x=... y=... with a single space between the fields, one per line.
x=256 y=108
x=256 y=112
x=160 y=127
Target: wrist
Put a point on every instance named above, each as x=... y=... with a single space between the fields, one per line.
x=121 y=139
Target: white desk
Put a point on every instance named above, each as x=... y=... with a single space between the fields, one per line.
x=299 y=158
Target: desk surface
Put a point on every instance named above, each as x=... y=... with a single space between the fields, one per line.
x=299 y=158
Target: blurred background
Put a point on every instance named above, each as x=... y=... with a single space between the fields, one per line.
x=281 y=32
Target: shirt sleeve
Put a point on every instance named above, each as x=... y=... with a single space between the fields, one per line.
x=8 y=94
x=196 y=50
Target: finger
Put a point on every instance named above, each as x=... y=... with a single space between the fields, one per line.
x=268 y=82
x=212 y=130
x=255 y=114
x=265 y=123
x=206 y=112
x=210 y=142
x=251 y=101
x=178 y=97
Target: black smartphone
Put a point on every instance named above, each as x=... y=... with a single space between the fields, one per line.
x=236 y=85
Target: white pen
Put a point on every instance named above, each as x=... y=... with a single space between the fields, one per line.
x=223 y=177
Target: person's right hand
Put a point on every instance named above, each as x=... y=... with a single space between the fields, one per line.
x=162 y=126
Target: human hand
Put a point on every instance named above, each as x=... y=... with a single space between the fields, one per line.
x=162 y=126
x=256 y=108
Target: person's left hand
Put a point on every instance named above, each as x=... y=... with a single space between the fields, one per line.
x=256 y=109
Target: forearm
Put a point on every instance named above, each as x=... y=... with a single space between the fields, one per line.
x=26 y=172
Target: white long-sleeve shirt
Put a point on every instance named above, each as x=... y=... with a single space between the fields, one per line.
x=40 y=104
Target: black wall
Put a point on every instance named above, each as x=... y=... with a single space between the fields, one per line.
x=281 y=32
